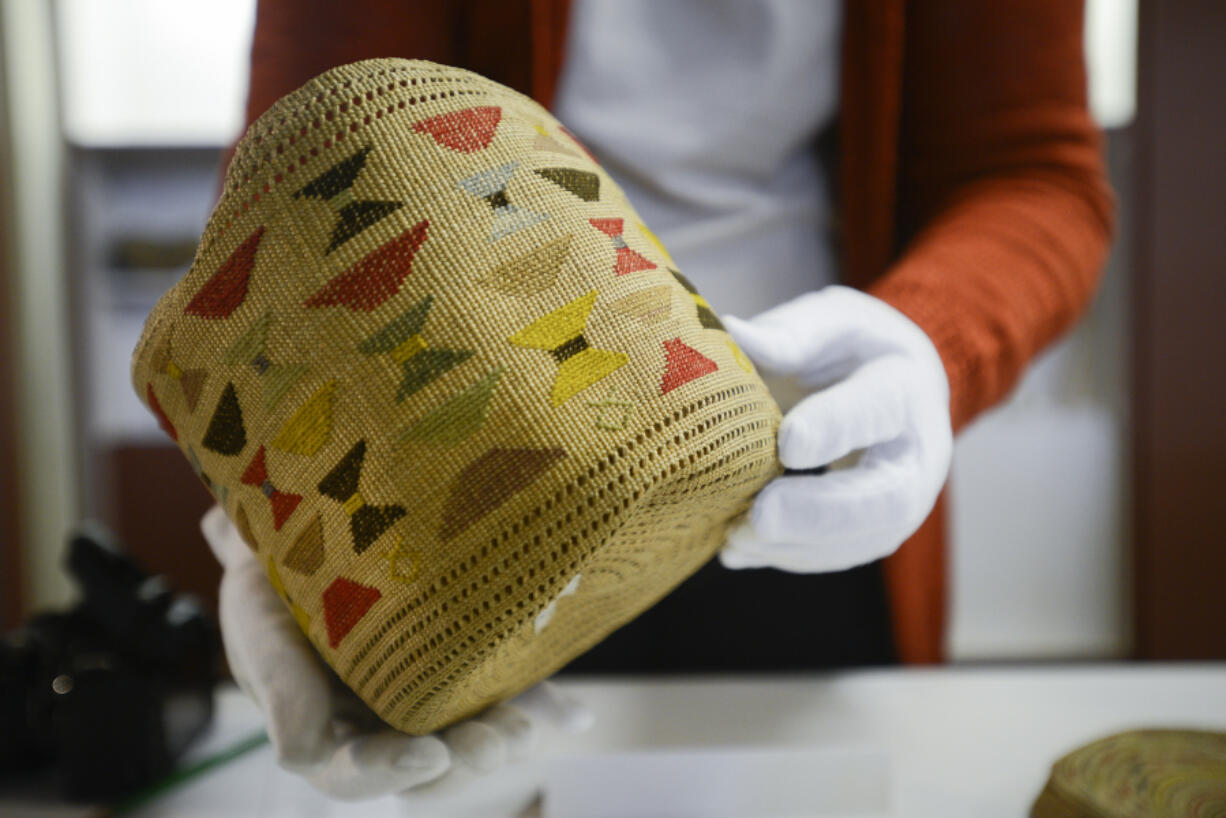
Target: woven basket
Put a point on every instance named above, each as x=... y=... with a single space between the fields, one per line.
x=455 y=395
x=1139 y=774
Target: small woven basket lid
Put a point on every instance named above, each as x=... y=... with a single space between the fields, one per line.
x=455 y=395
x=1140 y=774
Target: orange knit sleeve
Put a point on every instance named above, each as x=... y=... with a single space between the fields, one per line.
x=1002 y=197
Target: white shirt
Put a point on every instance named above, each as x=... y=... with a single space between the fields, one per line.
x=706 y=113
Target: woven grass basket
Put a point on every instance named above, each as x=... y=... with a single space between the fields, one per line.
x=1139 y=774
x=456 y=396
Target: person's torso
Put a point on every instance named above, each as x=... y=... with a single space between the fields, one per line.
x=707 y=112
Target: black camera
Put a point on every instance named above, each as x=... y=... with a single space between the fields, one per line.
x=108 y=694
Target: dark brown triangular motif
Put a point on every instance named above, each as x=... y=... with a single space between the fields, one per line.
x=367 y=523
x=707 y=318
x=582 y=183
x=226 y=433
x=353 y=215
x=491 y=480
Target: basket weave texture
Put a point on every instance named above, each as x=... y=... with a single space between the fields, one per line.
x=455 y=395
x=1139 y=774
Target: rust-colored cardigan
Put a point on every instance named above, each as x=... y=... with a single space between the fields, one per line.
x=972 y=195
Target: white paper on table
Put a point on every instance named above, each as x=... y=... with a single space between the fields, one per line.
x=720 y=783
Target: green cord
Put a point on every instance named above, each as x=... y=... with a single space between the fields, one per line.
x=179 y=777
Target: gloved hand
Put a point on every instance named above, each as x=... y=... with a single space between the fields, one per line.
x=876 y=413
x=321 y=730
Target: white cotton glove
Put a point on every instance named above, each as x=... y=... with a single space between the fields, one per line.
x=321 y=730
x=876 y=413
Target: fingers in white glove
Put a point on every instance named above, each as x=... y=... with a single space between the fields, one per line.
x=551 y=705
x=818 y=337
x=867 y=509
x=378 y=764
x=821 y=337
x=509 y=731
x=479 y=745
x=882 y=393
x=830 y=522
x=223 y=538
x=276 y=665
x=845 y=517
x=517 y=730
x=269 y=657
x=867 y=408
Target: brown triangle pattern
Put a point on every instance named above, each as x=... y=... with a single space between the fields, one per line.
x=226 y=433
x=532 y=272
x=306 y=555
x=650 y=306
x=491 y=480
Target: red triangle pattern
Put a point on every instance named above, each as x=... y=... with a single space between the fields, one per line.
x=610 y=227
x=257 y=471
x=683 y=364
x=467 y=131
x=225 y=290
x=345 y=603
x=376 y=277
x=629 y=261
x=283 y=504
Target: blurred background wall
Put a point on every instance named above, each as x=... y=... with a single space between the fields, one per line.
x=41 y=477
x=115 y=116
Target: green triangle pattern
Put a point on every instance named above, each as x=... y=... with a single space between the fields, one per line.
x=457 y=419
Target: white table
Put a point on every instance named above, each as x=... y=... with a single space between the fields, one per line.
x=960 y=741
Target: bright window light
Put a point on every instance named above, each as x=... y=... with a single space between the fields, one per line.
x=1111 y=59
x=154 y=72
